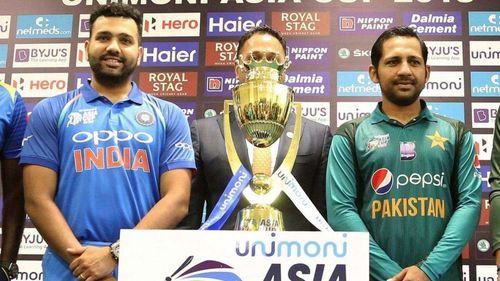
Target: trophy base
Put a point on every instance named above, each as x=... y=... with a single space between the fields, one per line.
x=259 y=217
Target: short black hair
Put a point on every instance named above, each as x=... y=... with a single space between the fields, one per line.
x=117 y=10
x=398 y=31
x=261 y=29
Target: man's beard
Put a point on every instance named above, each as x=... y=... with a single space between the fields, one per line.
x=107 y=78
x=402 y=98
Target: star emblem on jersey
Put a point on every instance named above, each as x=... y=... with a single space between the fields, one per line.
x=437 y=140
x=144 y=118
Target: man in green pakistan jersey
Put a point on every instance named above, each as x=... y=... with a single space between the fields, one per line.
x=407 y=176
x=495 y=195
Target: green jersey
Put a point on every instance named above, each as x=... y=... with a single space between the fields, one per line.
x=415 y=188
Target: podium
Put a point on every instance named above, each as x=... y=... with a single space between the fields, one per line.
x=167 y=255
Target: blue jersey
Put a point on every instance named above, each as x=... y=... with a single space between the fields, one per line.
x=108 y=157
x=12 y=121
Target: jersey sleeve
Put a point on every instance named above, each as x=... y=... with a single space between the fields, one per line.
x=465 y=218
x=40 y=140
x=494 y=181
x=341 y=206
x=178 y=151
x=16 y=128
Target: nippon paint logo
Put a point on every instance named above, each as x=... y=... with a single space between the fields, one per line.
x=316 y=111
x=220 y=53
x=445 y=53
x=347 y=111
x=44 y=26
x=445 y=84
x=171 y=25
x=84 y=26
x=309 y=52
x=484 y=23
x=169 y=84
x=485 y=84
x=308 y=83
x=356 y=84
x=219 y=83
x=366 y=22
x=81 y=78
x=3 y=55
x=81 y=56
x=484 y=53
x=302 y=23
x=483 y=144
x=484 y=114
x=233 y=24
x=40 y=85
x=434 y=23
x=189 y=110
x=41 y=55
x=167 y=54
x=4 y=27
x=453 y=110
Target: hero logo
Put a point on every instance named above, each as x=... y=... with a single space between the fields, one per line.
x=38 y=85
x=233 y=24
x=171 y=25
x=115 y=136
x=170 y=54
x=382 y=180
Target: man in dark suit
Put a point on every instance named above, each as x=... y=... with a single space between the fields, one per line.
x=214 y=172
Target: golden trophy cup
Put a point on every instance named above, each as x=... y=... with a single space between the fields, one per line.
x=262 y=105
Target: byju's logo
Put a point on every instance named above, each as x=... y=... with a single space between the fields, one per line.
x=445 y=53
x=317 y=111
x=381 y=181
x=208 y=269
x=171 y=25
x=163 y=54
x=44 y=26
x=356 y=83
x=434 y=23
x=84 y=26
x=484 y=23
x=484 y=53
x=233 y=24
x=41 y=55
x=485 y=84
x=484 y=114
x=4 y=27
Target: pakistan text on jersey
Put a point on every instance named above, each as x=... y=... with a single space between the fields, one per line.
x=408 y=207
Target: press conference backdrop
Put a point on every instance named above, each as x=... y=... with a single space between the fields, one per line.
x=190 y=45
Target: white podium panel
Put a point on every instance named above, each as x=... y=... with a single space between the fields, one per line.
x=167 y=255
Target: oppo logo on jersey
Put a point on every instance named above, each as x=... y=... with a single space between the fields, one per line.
x=115 y=136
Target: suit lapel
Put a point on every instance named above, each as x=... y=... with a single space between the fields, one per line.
x=285 y=141
x=238 y=139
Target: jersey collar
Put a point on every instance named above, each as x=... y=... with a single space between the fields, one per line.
x=378 y=115
x=90 y=94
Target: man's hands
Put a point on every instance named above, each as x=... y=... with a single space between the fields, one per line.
x=412 y=273
x=92 y=263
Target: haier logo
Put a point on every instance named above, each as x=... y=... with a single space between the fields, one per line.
x=317 y=111
x=309 y=83
x=309 y=52
x=39 y=85
x=445 y=53
x=171 y=25
x=347 y=111
x=44 y=26
x=484 y=52
x=485 y=84
x=302 y=23
x=169 y=84
x=81 y=56
x=434 y=23
x=3 y=55
x=219 y=84
x=366 y=22
x=41 y=55
x=484 y=114
x=453 y=110
x=484 y=23
x=356 y=83
x=163 y=54
x=84 y=26
x=233 y=24
x=4 y=27
x=483 y=144
x=220 y=53
x=445 y=84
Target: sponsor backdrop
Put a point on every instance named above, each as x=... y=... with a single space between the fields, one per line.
x=189 y=49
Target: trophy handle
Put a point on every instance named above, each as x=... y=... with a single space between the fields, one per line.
x=232 y=155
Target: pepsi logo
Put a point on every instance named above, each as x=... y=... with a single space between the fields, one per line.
x=382 y=181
